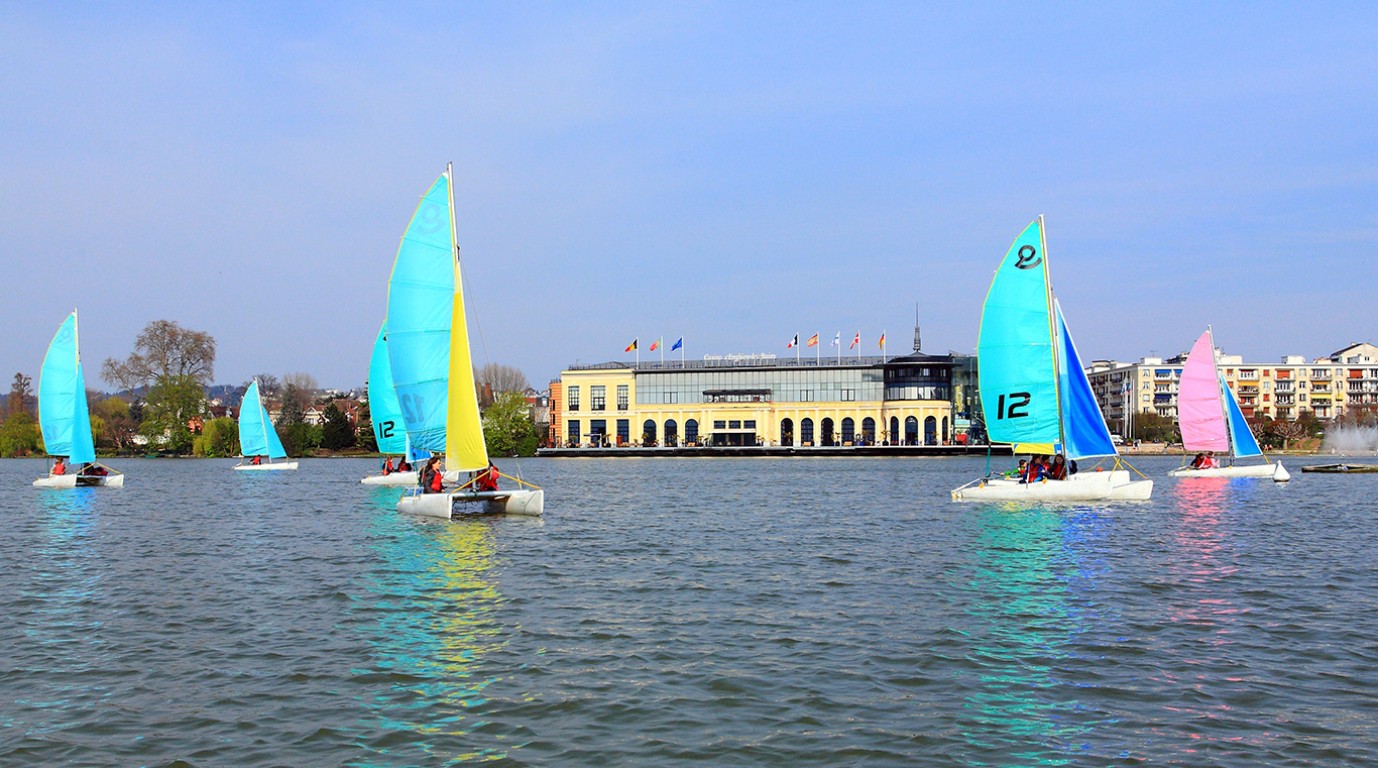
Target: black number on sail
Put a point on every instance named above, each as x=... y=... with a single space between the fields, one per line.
x=387 y=427
x=1028 y=257
x=1011 y=409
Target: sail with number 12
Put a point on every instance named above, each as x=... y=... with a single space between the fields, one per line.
x=1034 y=391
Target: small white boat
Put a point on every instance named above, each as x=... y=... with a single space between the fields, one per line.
x=257 y=436
x=65 y=418
x=432 y=367
x=1272 y=470
x=398 y=479
x=1212 y=422
x=1034 y=390
x=1114 y=485
x=515 y=502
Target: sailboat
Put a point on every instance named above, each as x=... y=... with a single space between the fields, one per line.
x=257 y=438
x=432 y=369
x=1211 y=420
x=388 y=429
x=65 y=418
x=1034 y=391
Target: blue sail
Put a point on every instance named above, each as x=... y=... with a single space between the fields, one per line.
x=420 y=301
x=1014 y=351
x=1242 y=440
x=62 y=412
x=256 y=434
x=1084 y=430
x=388 y=428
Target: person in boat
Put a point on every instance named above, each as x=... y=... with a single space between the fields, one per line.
x=59 y=466
x=1036 y=471
x=1198 y=461
x=487 y=479
x=1021 y=471
x=431 y=479
x=387 y=465
x=256 y=460
x=403 y=465
x=1058 y=469
x=92 y=469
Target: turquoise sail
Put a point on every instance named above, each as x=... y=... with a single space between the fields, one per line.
x=420 y=301
x=388 y=428
x=1242 y=440
x=62 y=412
x=1085 y=433
x=256 y=434
x=1016 y=374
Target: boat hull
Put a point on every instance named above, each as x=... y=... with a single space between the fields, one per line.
x=1274 y=471
x=80 y=481
x=447 y=505
x=266 y=467
x=1115 y=485
x=1342 y=469
x=392 y=478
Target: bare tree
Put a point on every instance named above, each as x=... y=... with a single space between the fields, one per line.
x=300 y=388
x=500 y=378
x=267 y=384
x=21 y=394
x=164 y=352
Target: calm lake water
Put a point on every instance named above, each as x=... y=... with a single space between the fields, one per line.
x=666 y=612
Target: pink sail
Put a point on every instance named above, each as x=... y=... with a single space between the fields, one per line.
x=1199 y=412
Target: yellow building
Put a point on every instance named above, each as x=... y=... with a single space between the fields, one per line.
x=744 y=400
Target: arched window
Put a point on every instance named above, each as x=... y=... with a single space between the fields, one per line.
x=691 y=431
x=671 y=432
x=894 y=436
x=868 y=431
x=648 y=432
x=930 y=431
x=829 y=437
x=806 y=432
x=911 y=431
x=945 y=435
x=786 y=432
x=848 y=430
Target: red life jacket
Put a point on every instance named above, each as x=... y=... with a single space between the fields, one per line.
x=436 y=480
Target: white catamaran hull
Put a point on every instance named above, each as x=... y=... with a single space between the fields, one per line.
x=1115 y=485
x=1274 y=471
x=447 y=505
x=267 y=467
x=392 y=478
x=84 y=481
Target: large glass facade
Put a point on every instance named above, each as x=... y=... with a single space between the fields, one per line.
x=757 y=385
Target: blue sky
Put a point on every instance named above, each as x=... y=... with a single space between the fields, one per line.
x=733 y=173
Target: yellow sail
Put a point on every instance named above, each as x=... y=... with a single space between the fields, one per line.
x=465 y=449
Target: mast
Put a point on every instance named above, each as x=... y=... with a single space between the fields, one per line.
x=1052 y=331
x=1220 y=393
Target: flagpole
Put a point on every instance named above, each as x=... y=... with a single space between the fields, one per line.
x=837 y=339
x=882 y=348
x=660 y=344
x=796 y=349
x=818 y=350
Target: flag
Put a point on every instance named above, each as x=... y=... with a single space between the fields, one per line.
x=813 y=340
x=837 y=339
x=794 y=342
x=656 y=344
x=881 y=343
x=632 y=346
x=678 y=344
x=855 y=340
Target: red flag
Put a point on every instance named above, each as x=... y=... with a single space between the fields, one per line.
x=655 y=345
x=813 y=340
x=855 y=340
x=632 y=346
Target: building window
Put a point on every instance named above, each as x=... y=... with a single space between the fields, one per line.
x=848 y=395
x=749 y=424
x=671 y=397
x=624 y=431
x=598 y=394
x=621 y=397
x=806 y=395
x=574 y=432
x=720 y=425
x=572 y=398
x=734 y=424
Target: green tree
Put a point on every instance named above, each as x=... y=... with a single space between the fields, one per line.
x=299 y=439
x=365 y=439
x=176 y=364
x=19 y=435
x=293 y=407
x=219 y=438
x=21 y=396
x=118 y=425
x=507 y=426
x=1152 y=428
x=336 y=433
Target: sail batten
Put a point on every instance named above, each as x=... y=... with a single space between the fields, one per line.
x=63 y=415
